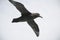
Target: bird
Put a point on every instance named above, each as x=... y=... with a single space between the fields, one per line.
x=26 y=16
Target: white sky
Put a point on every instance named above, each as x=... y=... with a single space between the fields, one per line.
x=49 y=26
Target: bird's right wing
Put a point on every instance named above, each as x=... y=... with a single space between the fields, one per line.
x=34 y=26
x=20 y=7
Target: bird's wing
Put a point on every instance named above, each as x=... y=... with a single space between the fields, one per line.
x=20 y=7
x=34 y=26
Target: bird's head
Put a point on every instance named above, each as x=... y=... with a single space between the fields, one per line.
x=37 y=15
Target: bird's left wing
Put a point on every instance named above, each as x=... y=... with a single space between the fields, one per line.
x=34 y=26
x=20 y=7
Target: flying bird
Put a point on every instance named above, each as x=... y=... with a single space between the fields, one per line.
x=26 y=16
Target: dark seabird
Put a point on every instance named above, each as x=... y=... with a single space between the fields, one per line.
x=26 y=16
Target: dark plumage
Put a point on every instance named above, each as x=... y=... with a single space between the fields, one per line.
x=26 y=16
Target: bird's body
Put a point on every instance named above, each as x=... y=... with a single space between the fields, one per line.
x=26 y=16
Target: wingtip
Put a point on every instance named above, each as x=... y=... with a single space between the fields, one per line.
x=10 y=0
x=37 y=34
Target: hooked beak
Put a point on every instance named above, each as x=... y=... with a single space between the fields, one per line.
x=41 y=16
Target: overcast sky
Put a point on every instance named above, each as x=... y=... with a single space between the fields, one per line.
x=49 y=26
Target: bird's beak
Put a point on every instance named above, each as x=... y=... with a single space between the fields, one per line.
x=41 y=16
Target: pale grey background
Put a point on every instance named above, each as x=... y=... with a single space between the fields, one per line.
x=49 y=26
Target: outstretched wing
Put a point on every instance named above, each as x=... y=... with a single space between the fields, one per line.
x=20 y=7
x=34 y=26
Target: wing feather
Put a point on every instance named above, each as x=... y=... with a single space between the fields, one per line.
x=20 y=7
x=34 y=26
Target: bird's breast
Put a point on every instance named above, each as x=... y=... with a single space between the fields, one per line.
x=27 y=18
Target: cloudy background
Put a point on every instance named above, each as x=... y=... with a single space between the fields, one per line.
x=49 y=26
